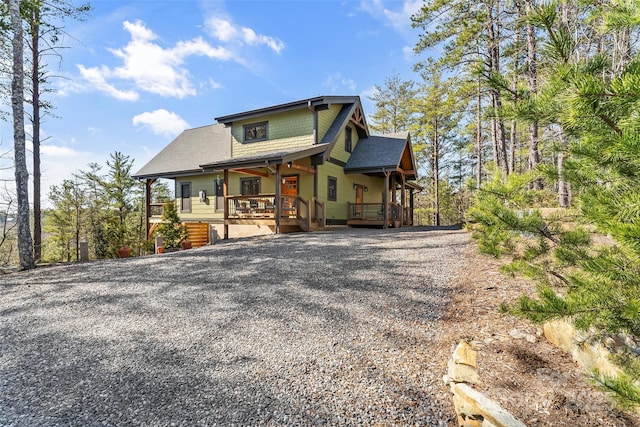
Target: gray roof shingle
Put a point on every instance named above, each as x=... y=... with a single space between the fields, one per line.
x=378 y=153
x=188 y=151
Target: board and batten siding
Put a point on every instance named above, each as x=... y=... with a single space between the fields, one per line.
x=291 y=129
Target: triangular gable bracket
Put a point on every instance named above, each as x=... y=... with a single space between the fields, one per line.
x=358 y=118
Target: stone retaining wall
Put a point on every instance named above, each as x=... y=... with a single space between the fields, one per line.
x=474 y=409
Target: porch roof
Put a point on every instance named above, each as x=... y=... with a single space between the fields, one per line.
x=266 y=158
x=185 y=153
x=383 y=153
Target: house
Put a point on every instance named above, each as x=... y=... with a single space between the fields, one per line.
x=297 y=166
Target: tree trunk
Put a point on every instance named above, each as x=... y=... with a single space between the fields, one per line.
x=479 y=136
x=35 y=96
x=436 y=173
x=532 y=76
x=563 y=185
x=25 y=243
x=497 y=125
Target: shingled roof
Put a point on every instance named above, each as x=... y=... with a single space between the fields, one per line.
x=188 y=151
x=382 y=153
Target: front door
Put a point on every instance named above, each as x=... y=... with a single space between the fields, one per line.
x=289 y=192
x=359 y=199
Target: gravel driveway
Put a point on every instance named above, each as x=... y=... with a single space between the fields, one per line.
x=325 y=328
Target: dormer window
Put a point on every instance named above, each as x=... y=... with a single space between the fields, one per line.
x=255 y=132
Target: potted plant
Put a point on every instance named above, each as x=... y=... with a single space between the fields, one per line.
x=186 y=244
x=124 y=252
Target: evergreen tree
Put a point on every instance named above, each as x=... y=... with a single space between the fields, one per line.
x=171 y=229
x=393 y=105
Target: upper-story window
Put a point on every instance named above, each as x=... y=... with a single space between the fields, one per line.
x=256 y=132
x=347 y=139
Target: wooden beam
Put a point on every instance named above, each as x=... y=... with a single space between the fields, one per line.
x=406 y=172
x=252 y=172
x=303 y=168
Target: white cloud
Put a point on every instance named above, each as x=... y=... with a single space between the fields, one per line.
x=96 y=78
x=398 y=19
x=161 y=122
x=57 y=151
x=225 y=31
x=150 y=67
x=337 y=82
x=408 y=53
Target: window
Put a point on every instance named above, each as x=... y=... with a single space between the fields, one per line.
x=347 y=139
x=250 y=186
x=219 y=194
x=255 y=132
x=185 y=197
x=332 y=189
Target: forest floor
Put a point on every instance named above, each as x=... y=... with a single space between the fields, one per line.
x=531 y=378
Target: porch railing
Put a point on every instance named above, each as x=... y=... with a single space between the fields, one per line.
x=251 y=206
x=303 y=214
x=373 y=211
x=156 y=209
x=319 y=215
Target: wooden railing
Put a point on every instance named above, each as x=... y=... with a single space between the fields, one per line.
x=252 y=206
x=303 y=214
x=156 y=209
x=373 y=211
x=319 y=214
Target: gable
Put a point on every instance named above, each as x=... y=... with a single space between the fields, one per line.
x=385 y=153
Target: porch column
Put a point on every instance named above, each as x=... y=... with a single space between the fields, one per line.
x=277 y=201
x=225 y=193
x=386 y=200
x=411 y=205
x=147 y=200
x=403 y=200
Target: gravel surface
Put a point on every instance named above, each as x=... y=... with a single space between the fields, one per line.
x=325 y=328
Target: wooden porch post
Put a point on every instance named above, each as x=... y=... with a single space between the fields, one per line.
x=147 y=199
x=403 y=200
x=411 y=205
x=386 y=200
x=277 y=201
x=225 y=193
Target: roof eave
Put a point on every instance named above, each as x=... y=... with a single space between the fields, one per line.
x=168 y=175
x=296 y=105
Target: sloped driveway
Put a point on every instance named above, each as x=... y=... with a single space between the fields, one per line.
x=328 y=328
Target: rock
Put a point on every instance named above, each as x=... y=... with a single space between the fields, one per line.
x=459 y=373
x=464 y=354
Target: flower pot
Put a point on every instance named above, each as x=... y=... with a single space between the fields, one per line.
x=124 y=252
x=186 y=244
x=160 y=250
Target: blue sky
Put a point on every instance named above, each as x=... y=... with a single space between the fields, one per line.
x=140 y=72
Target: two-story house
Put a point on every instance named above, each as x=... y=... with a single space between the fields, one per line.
x=290 y=167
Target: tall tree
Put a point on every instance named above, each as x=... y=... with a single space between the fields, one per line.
x=25 y=242
x=438 y=112
x=393 y=105
x=43 y=20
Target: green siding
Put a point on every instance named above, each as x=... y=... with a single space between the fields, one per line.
x=346 y=192
x=204 y=211
x=338 y=151
x=326 y=118
x=291 y=129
